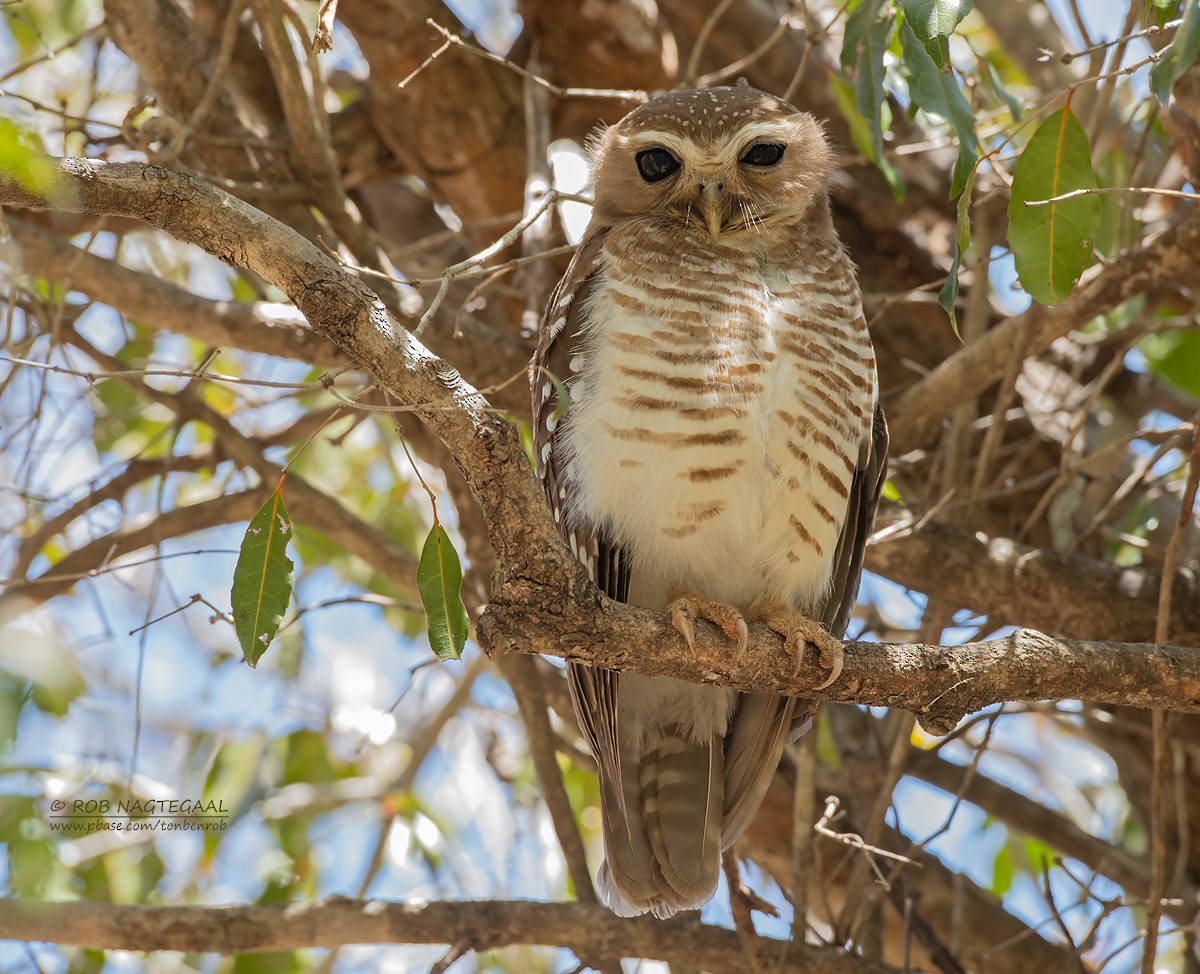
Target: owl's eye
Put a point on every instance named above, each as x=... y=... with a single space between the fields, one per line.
x=656 y=164
x=763 y=154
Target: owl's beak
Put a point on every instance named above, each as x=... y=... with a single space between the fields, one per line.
x=714 y=207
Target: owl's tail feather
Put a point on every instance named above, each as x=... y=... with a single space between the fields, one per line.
x=663 y=853
x=627 y=878
x=757 y=736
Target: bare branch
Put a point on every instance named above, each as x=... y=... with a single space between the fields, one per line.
x=1066 y=594
x=1101 y=190
x=265 y=327
x=591 y=932
x=1033 y=818
x=940 y=684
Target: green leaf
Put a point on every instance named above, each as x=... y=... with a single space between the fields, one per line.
x=860 y=133
x=1164 y=11
x=933 y=21
x=306 y=759
x=1175 y=356
x=53 y=676
x=864 y=14
x=277 y=962
x=1002 y=871
x=1179 y=55
x=866 y=40
x=87 y=962
x=948 y=295
x=938 y=93
x=891 y=493
x=262 y=579
x=13 y=695
x=1053 y=243
x=439 y=580
x=23 y=158
x=1015 y=105
x=1037 y=853
x=31 y=864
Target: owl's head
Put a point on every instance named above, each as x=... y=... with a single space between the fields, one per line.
x=716 y=161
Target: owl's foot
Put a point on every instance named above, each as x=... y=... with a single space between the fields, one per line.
x=688 y=606
x=799 y=631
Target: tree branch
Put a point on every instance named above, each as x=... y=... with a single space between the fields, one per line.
x=591 y=932
x=1057 y=591
x=265 y=327
x=940 y=684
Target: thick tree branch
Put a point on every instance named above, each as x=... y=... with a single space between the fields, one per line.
x=591 y=932
x=940 y=684
x=453 y=128
x=264 y=327
x=307 y=506
x=1056 y=591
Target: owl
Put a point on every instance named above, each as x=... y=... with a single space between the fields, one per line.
x=708 y=434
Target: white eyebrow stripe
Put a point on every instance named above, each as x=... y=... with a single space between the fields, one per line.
x=670 y=141
x=781 y=129
x=725 y=152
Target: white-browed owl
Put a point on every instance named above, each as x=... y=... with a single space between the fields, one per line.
x=719 y=455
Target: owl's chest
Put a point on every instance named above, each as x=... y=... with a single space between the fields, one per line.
x=676 y=441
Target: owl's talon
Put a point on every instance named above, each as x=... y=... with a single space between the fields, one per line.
x=689 y=606
x=743 y=632
x=683 y=622
x=834 y=661
x=798 y=631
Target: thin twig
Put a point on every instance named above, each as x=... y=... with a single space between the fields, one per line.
x=1100 y=190
x=832 y=805
x=739 y=906
x=525 y=682
x=456 y=951
x=324 y=382
x=736 y=67
x=194 y=600
x=501 y=243
x=702 y=36
x=456 y=41
x=811 y=42
x=50 y=53
x=323 y=35
x=1070 y=56
x=422 y=746
x=446 y=45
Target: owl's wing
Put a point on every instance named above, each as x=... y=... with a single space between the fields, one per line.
x=869 y=475
x=593 y=689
